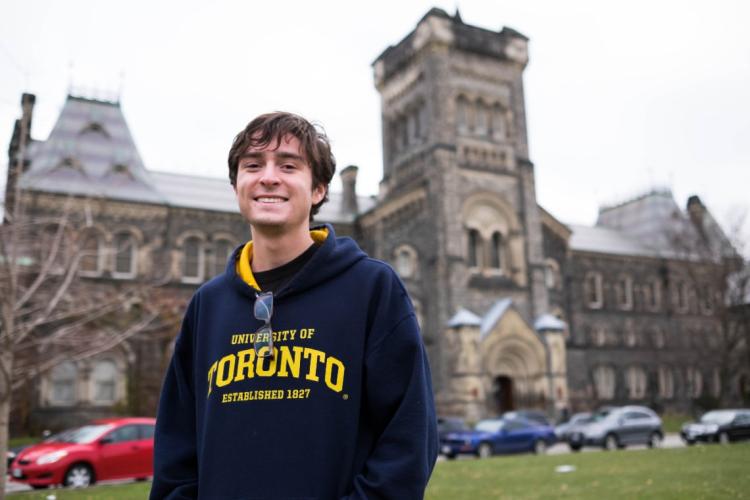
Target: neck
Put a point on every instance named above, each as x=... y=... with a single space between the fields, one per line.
x=271 y=250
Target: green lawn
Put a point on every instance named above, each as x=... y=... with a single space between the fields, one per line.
x=697 y=472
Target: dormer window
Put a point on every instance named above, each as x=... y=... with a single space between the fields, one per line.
x=95 y=128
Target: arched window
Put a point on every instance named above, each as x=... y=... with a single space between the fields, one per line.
x=624 y=292
x=462 y=114
x=496 y=251
x=593 y=290
x=681 y=296
x=193 y=260
x=636 y=382
x=222 y=251
x=91 y=262
x=666 y=382
x=604 y=381
x=125 y=252
x=694 y=382
x=482 y=124
x=497 y=122
x=652 y=294
x=405 y=261
x=475 y=248
x=104 y=379
x=63 y=382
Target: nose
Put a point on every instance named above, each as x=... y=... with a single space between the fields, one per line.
x=269 y=175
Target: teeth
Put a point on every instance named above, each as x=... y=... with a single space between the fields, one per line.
x=270 y=200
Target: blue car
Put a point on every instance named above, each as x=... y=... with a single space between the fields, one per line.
x=502 y=435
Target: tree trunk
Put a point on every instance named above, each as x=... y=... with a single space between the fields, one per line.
x=6 y=360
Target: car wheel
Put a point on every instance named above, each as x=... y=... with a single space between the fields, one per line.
x=654 y=440
x=723 y=438
x=484 y=450
x=575 y=447
x=540 y=447
x=78 y=476
x=39 y=486
x=451 y=456
x=610 y=442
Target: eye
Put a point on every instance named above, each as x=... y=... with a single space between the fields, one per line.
x=250 y=166
x=289 y=166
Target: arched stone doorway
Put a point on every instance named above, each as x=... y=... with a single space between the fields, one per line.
x=503 y=394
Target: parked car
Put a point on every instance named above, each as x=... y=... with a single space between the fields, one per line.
x=447 y=425
x=501 y=435
x=117 y=448
x=721 y=426
x=534 y=415
x=619 y=427
x=564 y=429
x=13 y=452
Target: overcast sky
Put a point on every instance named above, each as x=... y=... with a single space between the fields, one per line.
x=621 y=97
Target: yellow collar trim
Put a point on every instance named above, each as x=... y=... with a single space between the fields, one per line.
x=245 y=271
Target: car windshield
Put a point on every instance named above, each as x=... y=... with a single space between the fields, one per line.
x=600 y=415
x=453 y=425
x=717 y=417
x=489 y=425
x=80 y=435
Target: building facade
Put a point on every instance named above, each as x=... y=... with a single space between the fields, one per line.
x=517 y=308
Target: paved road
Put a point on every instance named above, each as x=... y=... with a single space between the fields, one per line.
x=670 y=441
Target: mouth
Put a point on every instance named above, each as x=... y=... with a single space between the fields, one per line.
x=269 y=199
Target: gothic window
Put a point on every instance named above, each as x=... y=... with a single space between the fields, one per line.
x=624 y=292
x=636 y=382
x=63 y=381
x=91 y=262
x=475 y=248
x=666 y=382
x=707 y=300
x=482 y=119
x=680 y=296
x=497 y=122
x=125 y=255
x=694 y=382
x=405 y=258
x=222 y=251
x=652 y=294
x=659 y=338
x=593 y=290
x=104 y=380
x=496 y=251
x=631 y=337
x=598 y=335
x=716 y=383
x=552 y=278
x=193 y=260
x=462 y=114
x=604 y=381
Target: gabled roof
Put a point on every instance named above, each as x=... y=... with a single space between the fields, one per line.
x=493 y=316
x=90 y=152
x=464 y=317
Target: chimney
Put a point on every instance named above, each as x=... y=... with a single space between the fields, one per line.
x=349 y=183
x=17 y=153
x=696 y=211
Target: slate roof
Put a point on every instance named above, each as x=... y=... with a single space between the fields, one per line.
x=90 y=152
x=464 y=317
x=652 y=225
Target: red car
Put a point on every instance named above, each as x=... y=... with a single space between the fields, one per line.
x=113 y=448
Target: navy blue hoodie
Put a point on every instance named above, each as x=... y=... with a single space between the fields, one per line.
x=343 y=410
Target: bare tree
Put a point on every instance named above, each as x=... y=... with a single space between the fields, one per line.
x=48 y=313
x=713 y=279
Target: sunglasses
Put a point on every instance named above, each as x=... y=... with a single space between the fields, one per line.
x=263 y=310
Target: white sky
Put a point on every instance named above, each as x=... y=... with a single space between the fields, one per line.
x=621 y=96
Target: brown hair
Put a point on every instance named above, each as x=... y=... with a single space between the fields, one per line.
x=273 y=127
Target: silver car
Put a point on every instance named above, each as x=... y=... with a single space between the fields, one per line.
x=619 y=427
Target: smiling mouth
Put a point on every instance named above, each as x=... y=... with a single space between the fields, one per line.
x=269 y=199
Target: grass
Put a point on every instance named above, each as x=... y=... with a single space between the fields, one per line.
x=695 y=472
x=672 y=422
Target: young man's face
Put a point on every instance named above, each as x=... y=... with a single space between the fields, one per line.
x=275 y=187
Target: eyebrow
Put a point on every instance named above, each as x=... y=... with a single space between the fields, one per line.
x=281 y=155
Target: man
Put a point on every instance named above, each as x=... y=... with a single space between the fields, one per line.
x=299 y=372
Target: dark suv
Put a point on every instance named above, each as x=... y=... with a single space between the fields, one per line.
x=618 y=427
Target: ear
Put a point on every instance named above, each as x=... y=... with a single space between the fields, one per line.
x=318 y=193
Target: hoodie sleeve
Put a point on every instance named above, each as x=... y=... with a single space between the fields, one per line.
x=399 y=402
x=175 y=458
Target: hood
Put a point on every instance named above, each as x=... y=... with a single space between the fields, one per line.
x=335 y=255
x=35 y=451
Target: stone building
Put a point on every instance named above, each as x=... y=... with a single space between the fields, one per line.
x=517 y=308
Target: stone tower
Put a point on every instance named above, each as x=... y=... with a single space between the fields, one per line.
x=458 y=215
